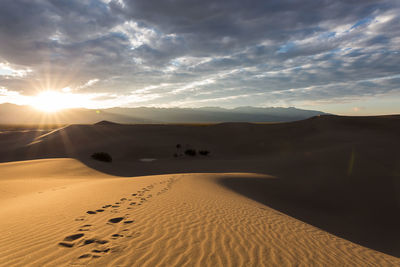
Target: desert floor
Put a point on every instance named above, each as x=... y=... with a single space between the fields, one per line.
x=324 y=191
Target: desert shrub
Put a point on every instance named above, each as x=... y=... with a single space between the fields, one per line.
x=190 y=152
x=102 y=156
x=204 y=152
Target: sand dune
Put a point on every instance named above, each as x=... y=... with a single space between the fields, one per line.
x=77 y=216
x=323 y=191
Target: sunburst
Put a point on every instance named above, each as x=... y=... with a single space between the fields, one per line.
x=53 y=101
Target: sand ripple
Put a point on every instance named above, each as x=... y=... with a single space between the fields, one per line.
x=165 y=220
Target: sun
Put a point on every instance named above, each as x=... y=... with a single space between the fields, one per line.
x=49 y=101
x=53 y=101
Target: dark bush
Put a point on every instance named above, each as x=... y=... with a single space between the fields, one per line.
x=204 y=152
x=102 y=156
x=190 y=152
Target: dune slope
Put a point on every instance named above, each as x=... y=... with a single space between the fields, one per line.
x=77 y=216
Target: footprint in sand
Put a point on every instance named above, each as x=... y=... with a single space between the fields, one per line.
x=88 y=241
x=116 y=220
x=84 y=259
x=82 y=218
x=115 y=236
x=94 y=240
x=67 y=245
x=73 y=237
x=84 y=256
x=101 y=250
x=69 y=239
x=84 y=228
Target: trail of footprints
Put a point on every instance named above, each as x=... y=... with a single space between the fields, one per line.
x=100 y=246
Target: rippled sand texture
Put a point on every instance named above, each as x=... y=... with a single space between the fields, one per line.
x=63 y=213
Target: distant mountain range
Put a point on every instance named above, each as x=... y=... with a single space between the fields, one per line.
x=15 y=114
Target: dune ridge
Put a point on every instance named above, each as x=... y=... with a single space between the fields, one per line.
x=165 y=220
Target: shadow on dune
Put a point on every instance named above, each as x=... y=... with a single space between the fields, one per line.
x=364 y=212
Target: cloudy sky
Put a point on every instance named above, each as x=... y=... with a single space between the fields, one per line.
x=336 y=56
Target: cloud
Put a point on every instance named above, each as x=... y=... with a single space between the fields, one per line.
x=9 y=71
x=191 y=52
